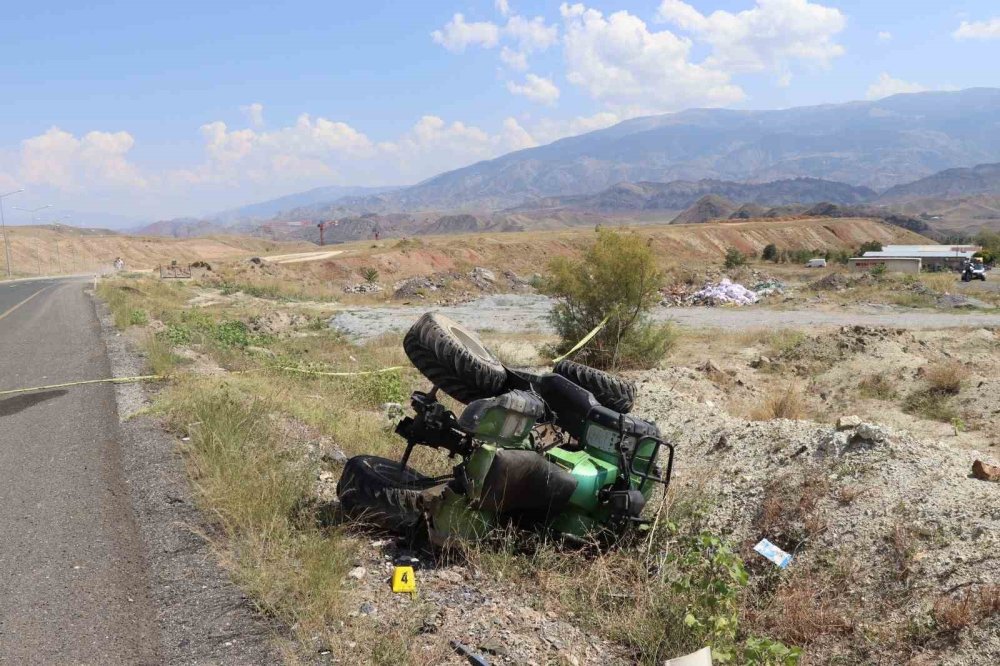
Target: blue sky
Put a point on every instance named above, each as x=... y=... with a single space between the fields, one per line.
x=153 y=110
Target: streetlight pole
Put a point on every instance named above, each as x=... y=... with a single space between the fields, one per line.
x=3 y=226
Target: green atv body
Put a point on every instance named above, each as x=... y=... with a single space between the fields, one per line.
x=541 y=452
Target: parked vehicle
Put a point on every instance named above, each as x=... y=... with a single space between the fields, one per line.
x=974 y=270
x=555 y=451
x=817 y=262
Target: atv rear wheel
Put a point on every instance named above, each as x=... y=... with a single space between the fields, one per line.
x=377 y=490
x=454 y=359
x=610 y=391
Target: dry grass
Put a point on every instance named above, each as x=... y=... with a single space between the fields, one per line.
x=878 y=387
x=791 y=512
x=946 y=376
x=807 y=608
x=787 y=404
x=952 y=613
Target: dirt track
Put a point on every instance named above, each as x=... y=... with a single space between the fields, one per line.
x=518 y=313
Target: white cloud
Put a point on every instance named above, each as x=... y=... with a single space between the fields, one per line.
x=535 y=88
x=885 y=86
x=548 y=130
x=989 y=29
x=884 y=36
x=514 y=59
x=531 y=35
x=618 y=60
x=502 y=6
x=515 y=136
x=771 y=35
x=254 y=113
x=457 y=34
x=61 y=160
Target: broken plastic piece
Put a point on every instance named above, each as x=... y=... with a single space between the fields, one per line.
x=773 y=553
x=702 y=657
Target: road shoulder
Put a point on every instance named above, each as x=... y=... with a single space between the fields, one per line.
x=203 y=616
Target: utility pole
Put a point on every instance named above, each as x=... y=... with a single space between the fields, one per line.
x=3 y=226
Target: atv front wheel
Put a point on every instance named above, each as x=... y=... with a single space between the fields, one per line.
x=610 y=391
x=454 y=359
x=378 y=491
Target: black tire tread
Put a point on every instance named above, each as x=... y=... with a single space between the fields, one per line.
x=449 y=365
x=388 y=503
x=612 y=392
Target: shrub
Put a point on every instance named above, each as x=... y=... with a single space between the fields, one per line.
x=869 y=246
x=770 y=253
x=878 y=387
x=370 y=275
x=617 y=278
x=233 y=334
x=946 y=377
x=787 y=405
x=734 y=258
x=138 y=318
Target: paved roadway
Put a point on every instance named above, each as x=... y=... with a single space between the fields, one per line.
x=73 y=581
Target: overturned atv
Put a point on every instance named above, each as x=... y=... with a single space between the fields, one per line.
x=555 y=451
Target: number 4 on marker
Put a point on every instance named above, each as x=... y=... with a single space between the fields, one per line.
x=404 y=581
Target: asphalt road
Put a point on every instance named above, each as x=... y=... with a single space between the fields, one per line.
x=73 y=579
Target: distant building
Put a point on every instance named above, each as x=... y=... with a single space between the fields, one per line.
x=892 y=264
x=932 y=257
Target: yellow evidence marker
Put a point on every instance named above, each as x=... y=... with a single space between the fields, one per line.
x=404 y=580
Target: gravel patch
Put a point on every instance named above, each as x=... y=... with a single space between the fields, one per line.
x=202 y=616
x=516 y=313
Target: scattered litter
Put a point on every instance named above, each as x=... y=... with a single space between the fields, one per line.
x=362 y=288
x=474 y=657
x=725 y=292
x=770 y=287
x=773 y=553
x=357 y=573
x=702 y=657
x=985 y=471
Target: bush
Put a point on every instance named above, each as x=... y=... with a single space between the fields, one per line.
x=869 y=246
x=138 y=318
x=734 y=258
x=770 y=253
x=787 y=405
x=370 y=275
x=233 y=334
x=946 y=377
x=617 y=278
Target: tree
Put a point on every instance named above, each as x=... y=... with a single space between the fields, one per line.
x=616 y=278
x=734 y=258
x=869 y=246
x=770 y=253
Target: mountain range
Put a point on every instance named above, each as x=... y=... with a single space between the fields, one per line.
x=889 y=151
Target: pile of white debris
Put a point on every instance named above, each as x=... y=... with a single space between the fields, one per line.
x=725 y=292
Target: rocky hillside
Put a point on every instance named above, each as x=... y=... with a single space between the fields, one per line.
x=679 y=194
x=948 y=184
x=875 y=144
x=709 y=207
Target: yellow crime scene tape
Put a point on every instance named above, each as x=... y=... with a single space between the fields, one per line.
x=155 y=378
x=587 y=338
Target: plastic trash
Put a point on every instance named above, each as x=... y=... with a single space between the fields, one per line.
x=726 y=292
x=773 y=553
x=702 y=657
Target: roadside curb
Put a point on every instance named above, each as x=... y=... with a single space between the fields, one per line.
x=203 y=617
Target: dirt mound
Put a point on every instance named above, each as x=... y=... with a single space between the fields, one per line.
x=709 y=207
x=901 y=519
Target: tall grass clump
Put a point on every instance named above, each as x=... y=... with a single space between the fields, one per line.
x=616 y=278
x=256 y=490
